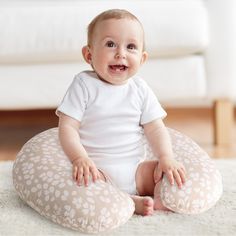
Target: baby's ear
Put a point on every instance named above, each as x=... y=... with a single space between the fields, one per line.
x=144 y=57
x=86 y=54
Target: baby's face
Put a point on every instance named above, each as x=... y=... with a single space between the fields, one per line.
x=117 y=50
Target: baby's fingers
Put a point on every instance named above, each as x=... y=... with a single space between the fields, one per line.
x=170 y=177
x=74 y=174
x=86 y=176
x=79 y=175
x=177 y=177
x=182 y=175
x=157 y=174
x=94 y=173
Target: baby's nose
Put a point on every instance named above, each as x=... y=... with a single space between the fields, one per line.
x=120 y=53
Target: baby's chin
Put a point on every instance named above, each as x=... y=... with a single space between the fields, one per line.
x=113 y=79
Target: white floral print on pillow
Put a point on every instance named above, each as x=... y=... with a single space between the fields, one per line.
x=203 y=187
x=42 y=177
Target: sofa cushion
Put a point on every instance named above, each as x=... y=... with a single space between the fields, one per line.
x=47 y=31
x=27 y=83
x=186 y=77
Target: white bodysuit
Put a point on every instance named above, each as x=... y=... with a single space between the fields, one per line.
x=111 y=119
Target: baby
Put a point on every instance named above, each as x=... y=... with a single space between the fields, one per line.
x=107 y=111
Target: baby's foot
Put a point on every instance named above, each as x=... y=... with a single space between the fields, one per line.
x=143 y=205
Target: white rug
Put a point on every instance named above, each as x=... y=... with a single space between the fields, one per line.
x=17 y=219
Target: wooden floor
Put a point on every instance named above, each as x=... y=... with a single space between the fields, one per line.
x=18 y=127
x=198 y=124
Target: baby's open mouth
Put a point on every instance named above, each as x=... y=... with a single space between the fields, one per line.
x=118 y=67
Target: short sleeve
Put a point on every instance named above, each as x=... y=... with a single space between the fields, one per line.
x=75 y=100
x=151 y=108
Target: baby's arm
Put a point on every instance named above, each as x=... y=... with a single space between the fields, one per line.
x=69 y=137
x=160 y=142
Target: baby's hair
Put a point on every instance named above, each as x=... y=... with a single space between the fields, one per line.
x=107 y=15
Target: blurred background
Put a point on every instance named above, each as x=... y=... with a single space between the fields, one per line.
x=191 y=66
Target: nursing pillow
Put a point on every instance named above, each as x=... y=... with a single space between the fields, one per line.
x=203 y=186
x=42 y=176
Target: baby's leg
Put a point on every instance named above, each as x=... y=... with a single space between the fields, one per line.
x=144 y=204
x=146 y=185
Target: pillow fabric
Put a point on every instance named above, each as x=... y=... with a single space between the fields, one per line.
x=42 y=176
x=203 y=186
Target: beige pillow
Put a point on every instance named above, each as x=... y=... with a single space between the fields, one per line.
x=203 y=187
x=42 y=177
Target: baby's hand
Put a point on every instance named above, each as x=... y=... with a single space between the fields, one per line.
x=173 y=169
x=82 y=169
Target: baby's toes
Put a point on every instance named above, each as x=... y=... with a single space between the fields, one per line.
x=148 y=206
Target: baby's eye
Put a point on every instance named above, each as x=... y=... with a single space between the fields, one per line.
x=131 y=46
x=110 y=44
